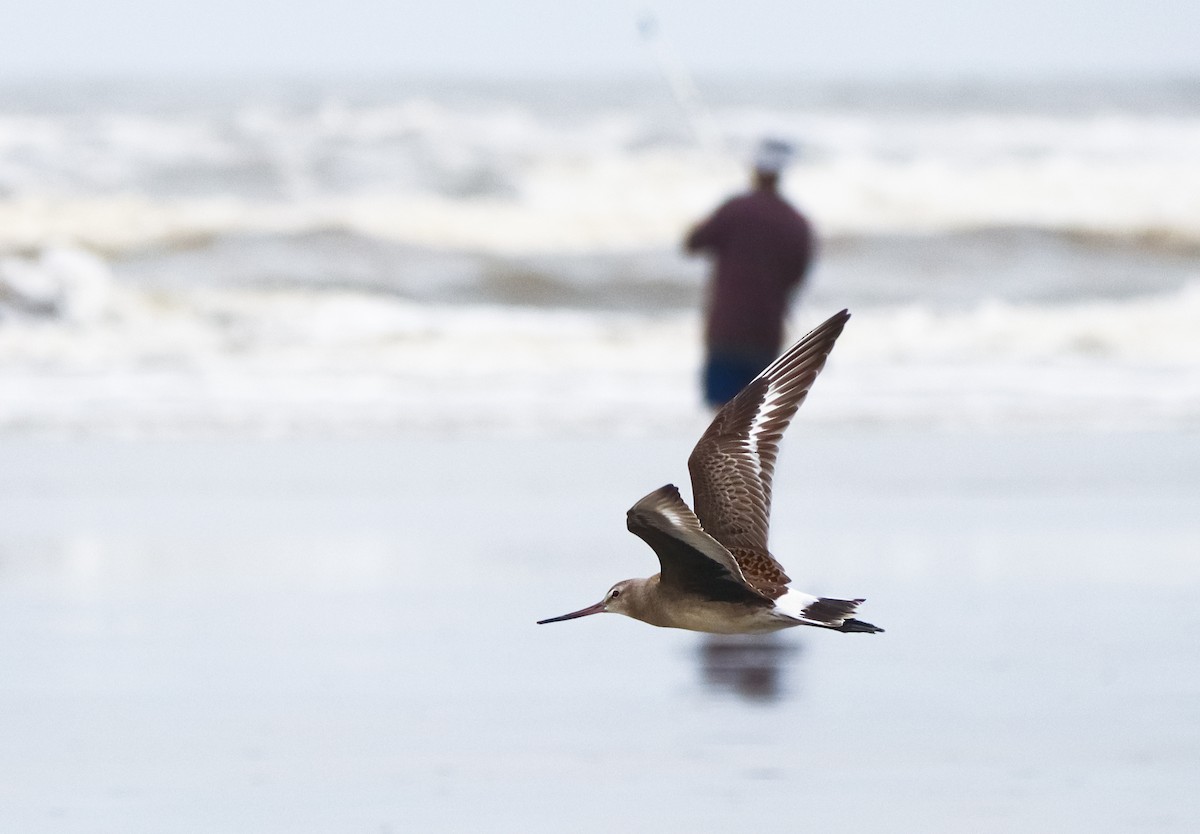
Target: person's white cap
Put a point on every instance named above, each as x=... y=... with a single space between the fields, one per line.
x=772 y=155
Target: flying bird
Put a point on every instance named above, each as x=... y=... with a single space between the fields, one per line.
x=717 y=574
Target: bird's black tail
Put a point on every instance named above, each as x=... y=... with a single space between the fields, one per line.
x=859 y=625
x=835 y=614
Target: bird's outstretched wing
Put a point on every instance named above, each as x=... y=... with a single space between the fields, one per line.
x=734 y=463
x=692 y=561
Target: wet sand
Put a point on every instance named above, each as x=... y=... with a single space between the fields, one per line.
x=331 y=636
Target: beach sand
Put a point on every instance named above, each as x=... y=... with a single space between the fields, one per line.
x=333 y=636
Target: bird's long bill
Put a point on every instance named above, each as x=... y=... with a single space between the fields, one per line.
x=598 y=608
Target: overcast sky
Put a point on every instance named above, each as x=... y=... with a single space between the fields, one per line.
x=566 y=37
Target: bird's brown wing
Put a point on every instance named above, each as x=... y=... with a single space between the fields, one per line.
x=734 y=463
x=692 y=561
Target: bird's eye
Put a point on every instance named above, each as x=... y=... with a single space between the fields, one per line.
x=615 y=593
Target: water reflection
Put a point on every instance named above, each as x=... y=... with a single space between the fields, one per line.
x=750 y=666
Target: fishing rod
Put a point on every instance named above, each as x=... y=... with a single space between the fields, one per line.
x=683 y=87
x=699 y=118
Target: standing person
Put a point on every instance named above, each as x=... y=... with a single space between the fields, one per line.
x=762 y=248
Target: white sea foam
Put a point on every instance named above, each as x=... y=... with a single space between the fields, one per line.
x=510 y=176
x=287 y=361
x=66 y=284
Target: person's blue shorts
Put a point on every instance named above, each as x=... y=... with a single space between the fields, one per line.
x=726 y=374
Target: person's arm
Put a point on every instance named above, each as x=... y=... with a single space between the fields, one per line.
x=706 y=235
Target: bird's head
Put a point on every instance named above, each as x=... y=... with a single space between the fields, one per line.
x=620 y=599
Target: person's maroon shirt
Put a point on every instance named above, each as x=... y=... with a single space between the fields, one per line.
x=762 y=248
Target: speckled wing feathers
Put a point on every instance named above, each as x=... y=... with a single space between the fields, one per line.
x=733 y=465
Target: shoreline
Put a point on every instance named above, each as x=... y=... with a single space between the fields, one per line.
x=308 y=636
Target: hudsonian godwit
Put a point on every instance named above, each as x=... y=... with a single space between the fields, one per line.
x=716 y=572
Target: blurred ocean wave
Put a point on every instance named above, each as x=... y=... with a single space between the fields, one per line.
x=516 y=170
x=268 y=361
x=350 y=258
